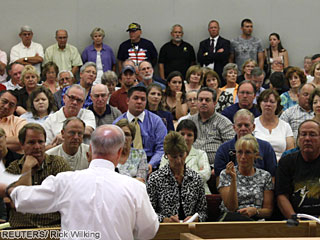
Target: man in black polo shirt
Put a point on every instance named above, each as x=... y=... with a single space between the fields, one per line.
x=176 y=55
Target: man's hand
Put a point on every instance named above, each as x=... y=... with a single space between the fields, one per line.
x=57 y=140
x=29 y=163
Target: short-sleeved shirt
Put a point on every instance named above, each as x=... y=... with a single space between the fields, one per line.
x=300 y=181
x=250 y=189
x=65 y=58
x=137 y=52
x=12 y=125
x=277 y=137
x=243 y=49
x=176 y=58
x=111 y=114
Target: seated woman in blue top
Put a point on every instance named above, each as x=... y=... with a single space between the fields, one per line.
x=246 y=191
x=295 y=78
x=154 y=104
x=99 y=53
x=40 y=104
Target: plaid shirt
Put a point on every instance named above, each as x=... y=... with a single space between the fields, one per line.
x=52 y=165
x=212 y=133
x=294 y=116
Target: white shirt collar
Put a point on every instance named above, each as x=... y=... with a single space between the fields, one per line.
x=215 y=38
x=140 y=117
x=102 y=163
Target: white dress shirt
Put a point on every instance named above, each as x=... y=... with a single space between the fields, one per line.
x=54 y=123
x=96 y=199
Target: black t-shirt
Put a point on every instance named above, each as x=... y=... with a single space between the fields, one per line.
x=301 y=181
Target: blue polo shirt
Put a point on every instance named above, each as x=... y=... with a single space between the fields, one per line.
x=229 y=112
x=226 y=153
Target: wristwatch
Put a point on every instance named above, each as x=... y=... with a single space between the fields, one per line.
x=26 y=59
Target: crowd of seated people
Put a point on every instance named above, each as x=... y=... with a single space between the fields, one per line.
x=223 y=126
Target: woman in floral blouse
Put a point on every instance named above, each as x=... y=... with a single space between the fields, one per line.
x=133 y=162
x=246 y=191
x=176 y=192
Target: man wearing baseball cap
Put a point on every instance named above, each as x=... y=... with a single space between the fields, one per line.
x=136 y=48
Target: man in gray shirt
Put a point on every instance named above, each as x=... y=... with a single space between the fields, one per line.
x=246 y=46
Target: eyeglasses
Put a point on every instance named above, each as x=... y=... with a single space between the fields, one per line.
x=246 y=153
x=192 y=100
x=102 y=95
x=73 y=98
x=246 y=93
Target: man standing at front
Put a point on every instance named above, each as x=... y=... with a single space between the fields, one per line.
x=150 y=129
x=246 y=46
x=66 y=56
x=214 y=52
x=105 y=204
x=298 y=173
x=213 y=128
x=27 y=52
x=136 y=48
x=176 y=55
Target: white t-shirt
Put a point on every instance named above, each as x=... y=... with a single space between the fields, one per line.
x=277 y=137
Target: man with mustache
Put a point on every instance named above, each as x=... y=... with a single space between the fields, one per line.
x=176 y=55
x=246 y=95
x=213 y=128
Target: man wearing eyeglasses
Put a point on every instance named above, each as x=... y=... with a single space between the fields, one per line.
x=27 y=52
x=73 y=99
x=10 y=123
x=297 y=179
x=103 y=112
x=73 y=150
x=246 y=95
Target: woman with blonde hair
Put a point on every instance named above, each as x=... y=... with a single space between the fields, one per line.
x=246 y=191
x=30 y=78
x=246 y=70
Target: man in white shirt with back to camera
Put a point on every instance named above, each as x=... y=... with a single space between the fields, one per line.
x=96 y=201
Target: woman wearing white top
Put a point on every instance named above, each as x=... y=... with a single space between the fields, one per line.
x=269 y=127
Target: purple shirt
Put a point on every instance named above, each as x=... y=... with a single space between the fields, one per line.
x=108 y=59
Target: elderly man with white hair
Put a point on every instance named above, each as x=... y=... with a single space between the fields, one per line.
x=103 y=112
x=112 y=198
x=65 y=79
x=27 y=52
x=73 y=99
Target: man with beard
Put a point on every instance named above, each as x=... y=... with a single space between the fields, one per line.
x=176 y=55
x=146 y=75
x=118 y=99
x=73 y=100
x=72 y=149
x=246 y=95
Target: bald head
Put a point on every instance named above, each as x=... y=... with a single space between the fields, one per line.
x=107 y=142
x=98 y=88
x=99 y=96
